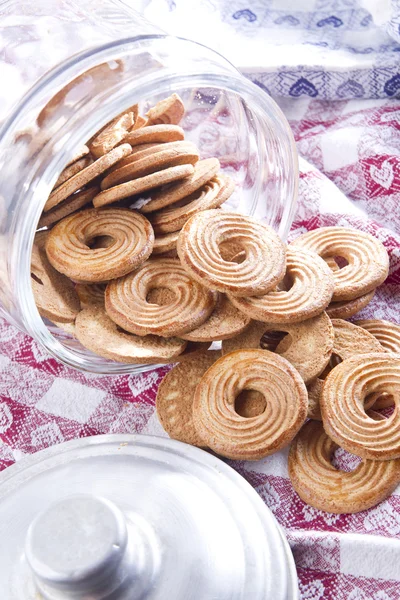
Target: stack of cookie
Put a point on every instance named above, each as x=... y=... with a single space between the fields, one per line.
x=132 y=164
x=246 y=402
x=154 y=271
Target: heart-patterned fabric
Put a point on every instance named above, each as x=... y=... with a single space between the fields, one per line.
x=298 y=48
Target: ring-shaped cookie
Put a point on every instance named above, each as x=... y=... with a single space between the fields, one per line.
x=321 y=485
x=342 y=405
x=368 y=261
x=311 y=290
x=187 y=305
x=68 y=250
x=231 y=435
x=349 y=340
x=199 y=251
x=308 y=345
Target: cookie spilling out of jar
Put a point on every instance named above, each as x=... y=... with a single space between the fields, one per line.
x=138 y=259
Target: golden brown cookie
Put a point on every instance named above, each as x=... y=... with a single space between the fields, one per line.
x=231 y=435
x=69 y=251
x=76 y=182
x=310 y=290
x=198 y=249
x=112 y=134
x=188 y=304
x=387 y=333
x=308 y=345
x=165 y=243
x=348 y=308
x=225 y=322
x=54 y=293
x=349 y=340
x=68 y=206
x=91 y=294
x=367 y=258
x=142 y=184
x=155 y=134
x=342 y=405
x=321 y=485
x=175 y=395
x=167 y=111
x=98 y=333
x=211 y=195
x=185 y=154
x=204 y=170
x=73 y=169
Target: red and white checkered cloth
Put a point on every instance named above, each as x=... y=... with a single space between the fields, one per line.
x=350 y=175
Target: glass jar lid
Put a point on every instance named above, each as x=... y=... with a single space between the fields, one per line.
x=123 y=517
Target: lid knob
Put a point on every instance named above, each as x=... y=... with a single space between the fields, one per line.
x=80 y=547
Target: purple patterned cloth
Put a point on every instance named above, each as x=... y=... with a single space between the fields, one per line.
x=325 y=49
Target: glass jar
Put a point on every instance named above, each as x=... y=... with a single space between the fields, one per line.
x=67 y=68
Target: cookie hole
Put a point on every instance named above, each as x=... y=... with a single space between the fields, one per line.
x=272 y=339
x=231 y=251
x=161 y=296
x=100 y=241
x=344 y=461
x=286 y=284
x=250 y=403
x=36 y=278
x=379 y=400
x=336 y=262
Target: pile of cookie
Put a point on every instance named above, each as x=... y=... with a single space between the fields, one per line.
x=93 y=231
x=296 y=375
x=136 y=259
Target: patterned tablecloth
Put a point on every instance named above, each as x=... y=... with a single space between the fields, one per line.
x=350 y=175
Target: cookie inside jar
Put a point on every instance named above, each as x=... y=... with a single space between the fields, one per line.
x=163 y=161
